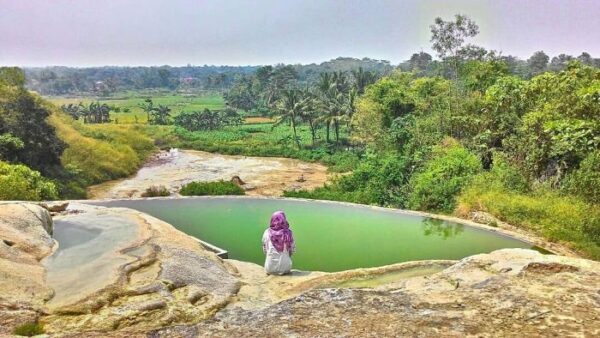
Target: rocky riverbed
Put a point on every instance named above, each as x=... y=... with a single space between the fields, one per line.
x=128 y=274
x=262 y=176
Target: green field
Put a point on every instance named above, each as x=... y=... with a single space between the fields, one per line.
x=178 y=102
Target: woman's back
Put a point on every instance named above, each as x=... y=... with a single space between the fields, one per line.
x=276 y=263
x=278 y=245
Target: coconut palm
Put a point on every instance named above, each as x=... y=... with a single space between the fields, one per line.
x=290 y=107
x=362 y=79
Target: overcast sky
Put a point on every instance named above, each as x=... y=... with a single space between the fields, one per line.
x=178 y=32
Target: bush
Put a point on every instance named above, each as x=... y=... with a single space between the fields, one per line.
x=585 y=181
x=29 y=329
x=436 y=186
x=18 y=182
x=211 y=188
x=156 y=191
x=379 y=180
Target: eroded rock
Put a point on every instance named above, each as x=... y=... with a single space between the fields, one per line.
x=24 y=241
x=148 y=275
x=497 y=294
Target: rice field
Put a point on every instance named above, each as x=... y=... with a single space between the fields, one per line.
x=130 y=101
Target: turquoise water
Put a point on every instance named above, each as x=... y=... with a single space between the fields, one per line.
x=329 y=236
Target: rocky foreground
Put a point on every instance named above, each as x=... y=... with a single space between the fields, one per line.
x=141 y=277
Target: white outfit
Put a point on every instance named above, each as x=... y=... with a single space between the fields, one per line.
x=276 y=263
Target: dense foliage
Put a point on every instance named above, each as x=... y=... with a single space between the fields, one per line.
x=211 y=188
x=25 y=136
x=480 y=139
x=18 y=182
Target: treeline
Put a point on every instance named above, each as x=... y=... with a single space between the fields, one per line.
x=479 y=138
x=104 y=81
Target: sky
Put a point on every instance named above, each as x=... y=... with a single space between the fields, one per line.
x=243 y=32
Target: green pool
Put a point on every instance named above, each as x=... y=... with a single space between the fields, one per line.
x=329 y=236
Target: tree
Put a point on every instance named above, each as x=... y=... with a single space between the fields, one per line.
x=290 y=107
x=559 y=62
x=419 y=61
x=148 y=107
x=72 y=110
x=160 y=115
x=586 y=59
x=23 y=115
x=538 y=63
x=362 y=79
x=448 y=38
x=95 y=112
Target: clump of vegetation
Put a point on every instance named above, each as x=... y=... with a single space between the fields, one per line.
x=29 y=329
x=585 y=181
x=436 y=186
x=18 y=182
x=208 y=119
x=211 y=189
x=156 y=191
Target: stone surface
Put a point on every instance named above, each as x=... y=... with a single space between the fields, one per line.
x=262 y=176
x=122 y=273
x=510 y=292
x=135 y=273
x=24 y=241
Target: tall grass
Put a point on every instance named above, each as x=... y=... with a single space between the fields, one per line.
x=559 y=218
x=97 y=153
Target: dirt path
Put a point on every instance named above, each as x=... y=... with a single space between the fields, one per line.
x=264 y=176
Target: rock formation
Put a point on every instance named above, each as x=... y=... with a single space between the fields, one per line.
x=25 y=240
x=511 y=292
x=121 y=273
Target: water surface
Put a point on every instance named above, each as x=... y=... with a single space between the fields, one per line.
x=329 y=236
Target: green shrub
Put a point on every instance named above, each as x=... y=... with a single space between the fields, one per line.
x=156 y=191
x=29 y=329
x=437 y=184
x=18 y=182
x=585 y=181
x=211 y=188
x=379 y=180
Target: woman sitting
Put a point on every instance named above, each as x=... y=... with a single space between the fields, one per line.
x=278 y=245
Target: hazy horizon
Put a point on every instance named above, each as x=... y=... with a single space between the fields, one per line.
x=88 y=33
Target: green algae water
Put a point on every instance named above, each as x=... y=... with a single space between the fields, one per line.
x=329 y=236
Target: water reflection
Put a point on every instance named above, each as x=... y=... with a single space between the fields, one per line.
x=438 y=227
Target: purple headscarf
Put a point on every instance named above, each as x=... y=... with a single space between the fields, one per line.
x=280 y=233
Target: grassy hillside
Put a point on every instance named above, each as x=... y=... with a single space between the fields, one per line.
x=97 y=153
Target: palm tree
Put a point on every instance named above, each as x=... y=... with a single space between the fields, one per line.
x=147 y=107
x=336 y=100
x=310 y=114
x=324 y=86
x=160 y=115
x=290 y=107
x=362 y=79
